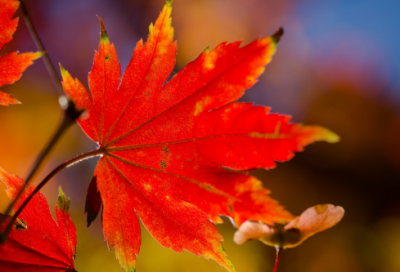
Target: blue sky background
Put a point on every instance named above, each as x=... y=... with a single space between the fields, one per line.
x=375 y=22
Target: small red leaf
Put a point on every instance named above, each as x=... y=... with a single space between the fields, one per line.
x=37 y=242
x=11 y=65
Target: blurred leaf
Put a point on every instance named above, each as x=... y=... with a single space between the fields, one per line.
x=37 y=242
x=11 y=65
x=310 y=222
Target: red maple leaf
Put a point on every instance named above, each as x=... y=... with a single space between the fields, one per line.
x=13 y=64
x=164 y=146
x=37 y=242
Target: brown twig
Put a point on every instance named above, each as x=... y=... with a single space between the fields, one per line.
x=70 y=113
x=39 y=44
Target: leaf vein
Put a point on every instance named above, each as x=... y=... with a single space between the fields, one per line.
x=184 y=99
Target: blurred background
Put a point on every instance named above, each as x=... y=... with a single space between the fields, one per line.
x=337 y=66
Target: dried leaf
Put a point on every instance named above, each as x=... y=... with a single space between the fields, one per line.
x=310 y=222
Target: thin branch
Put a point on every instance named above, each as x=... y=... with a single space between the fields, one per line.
x=70 y=113
x=4 y=234
x=278 y=253
x=39 y=44
x=66 y=122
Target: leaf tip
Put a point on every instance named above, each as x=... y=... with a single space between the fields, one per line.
x=316 y=134
x=2 y=173
x=64 y=73
x=168 y=3
x=127 y=266
x=103 y=34
x=62 y=69
x=227 y=264
x=38 y=54
x=90 y=216
x=276 y=37
x=329 y=136
x=340 y=209
x=62 y=201
x=6 y=99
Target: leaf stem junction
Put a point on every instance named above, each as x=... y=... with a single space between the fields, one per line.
x=4 y=234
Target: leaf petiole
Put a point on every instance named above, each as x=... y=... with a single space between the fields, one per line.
x=278 y=253
x=4 y=234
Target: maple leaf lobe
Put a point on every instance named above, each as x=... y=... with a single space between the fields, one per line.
x=242 y=137
x=37 y=242
x=12 y=64
x=6 y=99
x=9 y=26
x=75 y=91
